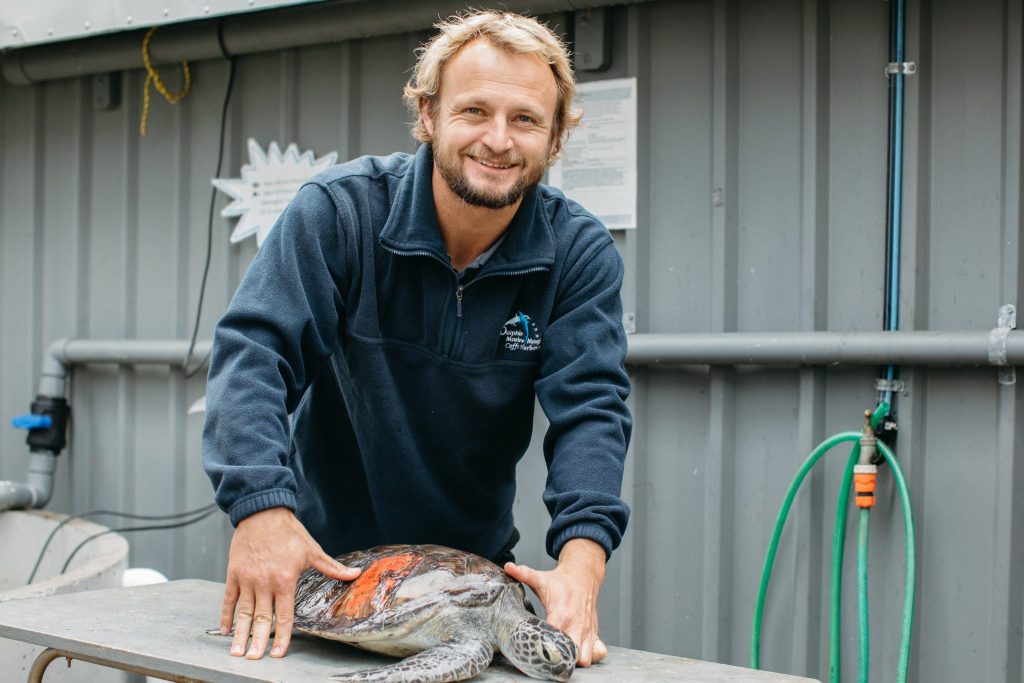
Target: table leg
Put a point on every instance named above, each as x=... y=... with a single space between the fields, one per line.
x=47 y=656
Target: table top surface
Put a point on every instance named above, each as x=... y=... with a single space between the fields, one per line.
x=163 y=627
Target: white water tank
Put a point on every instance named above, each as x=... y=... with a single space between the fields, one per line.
x=99 y=564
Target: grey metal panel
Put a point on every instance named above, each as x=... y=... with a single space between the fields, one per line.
x=769 y=138
x=680 y=187
x=966 y=124
x=856 y=170
x=762 y=185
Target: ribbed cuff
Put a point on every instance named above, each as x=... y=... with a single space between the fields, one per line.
x=260 y=501
x=589 y=531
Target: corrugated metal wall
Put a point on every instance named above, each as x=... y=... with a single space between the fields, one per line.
x=778 y=109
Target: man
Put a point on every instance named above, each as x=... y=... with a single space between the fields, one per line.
x=408 y=310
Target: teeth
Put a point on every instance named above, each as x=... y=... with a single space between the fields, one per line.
x=493 y=165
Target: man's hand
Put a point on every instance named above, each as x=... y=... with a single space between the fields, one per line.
x=569 y=594
x=268 y=552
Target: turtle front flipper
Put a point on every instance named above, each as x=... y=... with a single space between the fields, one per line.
x=455 y=659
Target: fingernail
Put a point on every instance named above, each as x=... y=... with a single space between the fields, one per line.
x=252 y=651
x=276 y=652
x=236 y=649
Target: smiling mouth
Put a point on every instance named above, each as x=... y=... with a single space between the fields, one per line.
x=493 y=164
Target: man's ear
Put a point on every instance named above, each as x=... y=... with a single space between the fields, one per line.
x=554 y=149
x=427 y=115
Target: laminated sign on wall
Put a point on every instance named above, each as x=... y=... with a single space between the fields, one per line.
x=598 y=164
x=268 y=184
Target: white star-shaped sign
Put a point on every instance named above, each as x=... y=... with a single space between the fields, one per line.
x=268 y=183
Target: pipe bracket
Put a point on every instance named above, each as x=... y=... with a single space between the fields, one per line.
x=896 y=386
x=997 y=339
x=903 y=68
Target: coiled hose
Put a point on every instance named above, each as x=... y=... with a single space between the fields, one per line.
x=837 y=555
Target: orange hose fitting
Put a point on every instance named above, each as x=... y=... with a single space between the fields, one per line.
x=864 y=479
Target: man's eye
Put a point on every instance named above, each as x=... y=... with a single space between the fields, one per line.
x=473 y=110
x=523 y=118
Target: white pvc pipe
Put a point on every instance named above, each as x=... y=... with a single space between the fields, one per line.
x=34 y=493
x=281 y=29
x=64 y=353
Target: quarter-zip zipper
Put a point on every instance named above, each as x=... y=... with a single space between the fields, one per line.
x=460 y=288
x=449 y=333
x=449 y=341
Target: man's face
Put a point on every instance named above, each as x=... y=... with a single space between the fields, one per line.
x=491 y=125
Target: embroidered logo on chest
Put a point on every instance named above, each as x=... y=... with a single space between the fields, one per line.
x=520 y=333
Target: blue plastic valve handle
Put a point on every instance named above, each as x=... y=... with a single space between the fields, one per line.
x=31 y=421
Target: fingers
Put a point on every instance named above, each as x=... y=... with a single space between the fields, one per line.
x=531 y=577
x=284 y=603
x=581 y=635
x=590 y=648
x=256 y=617
x=325 y=564
x=262 y=620
x=586 y=652
x=227 y=607
x=268 y=552
x=567 y=609
x=243 y=622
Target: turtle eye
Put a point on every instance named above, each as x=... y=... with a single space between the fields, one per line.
x=550 y=654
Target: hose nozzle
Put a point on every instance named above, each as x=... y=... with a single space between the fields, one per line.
x=865 y=472
x=865 y=478
x=868 y=442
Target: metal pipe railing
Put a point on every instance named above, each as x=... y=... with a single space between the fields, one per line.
x=828 y=348
x=1000 y=347
x=997 y=348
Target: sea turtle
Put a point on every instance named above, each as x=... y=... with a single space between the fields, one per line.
x=446 y=611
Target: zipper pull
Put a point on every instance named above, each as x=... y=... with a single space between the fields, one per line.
x=458 y=301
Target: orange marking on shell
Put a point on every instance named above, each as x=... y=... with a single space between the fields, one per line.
x=370 y=592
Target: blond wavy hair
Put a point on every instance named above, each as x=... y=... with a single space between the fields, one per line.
x=514 y=33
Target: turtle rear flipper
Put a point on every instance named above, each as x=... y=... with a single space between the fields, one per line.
x=455 y=659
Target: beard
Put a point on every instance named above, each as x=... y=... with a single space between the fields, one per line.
x=449 y=165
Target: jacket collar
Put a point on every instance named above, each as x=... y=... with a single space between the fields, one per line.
x=412 y=227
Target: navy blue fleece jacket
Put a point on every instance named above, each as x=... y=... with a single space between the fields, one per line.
x=411 y=394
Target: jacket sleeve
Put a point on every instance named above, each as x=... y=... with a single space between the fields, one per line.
x=279 y=328
x=582 y=389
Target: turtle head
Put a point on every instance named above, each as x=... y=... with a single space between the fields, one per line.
x=540 y=650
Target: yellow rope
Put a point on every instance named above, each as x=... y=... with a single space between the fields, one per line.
x=153 y=77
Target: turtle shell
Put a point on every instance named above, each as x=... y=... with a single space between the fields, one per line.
x=401 y=588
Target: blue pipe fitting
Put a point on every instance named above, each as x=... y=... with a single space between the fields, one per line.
x=32 y=421
x=47 y=424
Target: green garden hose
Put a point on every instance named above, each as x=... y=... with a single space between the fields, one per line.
x=864 y=660
x=837 y=551
x=838 y=546
x=910 y=559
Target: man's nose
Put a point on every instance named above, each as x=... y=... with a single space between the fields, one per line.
x=498 y=137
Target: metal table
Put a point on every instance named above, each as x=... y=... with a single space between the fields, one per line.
x=161 y=631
